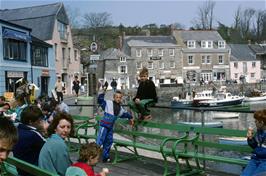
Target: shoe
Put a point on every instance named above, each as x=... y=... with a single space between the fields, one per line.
x=76 y=101
x=108 y=160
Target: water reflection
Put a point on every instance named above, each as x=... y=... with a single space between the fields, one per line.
x=243 y=121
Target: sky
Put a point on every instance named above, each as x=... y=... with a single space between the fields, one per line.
x=139 y=12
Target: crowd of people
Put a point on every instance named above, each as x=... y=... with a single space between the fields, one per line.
x=37 y=132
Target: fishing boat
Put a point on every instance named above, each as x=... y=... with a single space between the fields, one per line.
x=262 y=97
x=217 y=124
x=223 y=99
x=205 y=95
x=176 y=102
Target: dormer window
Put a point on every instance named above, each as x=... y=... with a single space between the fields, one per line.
x=191 y=44
x=123 y=59
x=206 y=44
x=149 y=52
x=221 y=44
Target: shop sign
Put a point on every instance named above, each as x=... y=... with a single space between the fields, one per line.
x=15 y=74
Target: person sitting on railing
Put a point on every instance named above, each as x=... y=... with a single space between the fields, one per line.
x=88 y=158
x=112 y=111
x=54 y=155
x=257 y=164
x=146 y=96
x=8 y=137
x=30 y=139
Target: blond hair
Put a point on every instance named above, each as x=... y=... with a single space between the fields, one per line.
x=144 y=71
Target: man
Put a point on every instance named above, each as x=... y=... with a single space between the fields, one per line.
x=114 y=85
x=8 y=137
x=76 y=88
x=59 y=89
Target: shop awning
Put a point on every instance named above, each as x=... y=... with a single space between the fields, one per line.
x=12 y=34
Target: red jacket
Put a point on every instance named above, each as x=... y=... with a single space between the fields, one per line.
x=87 y=168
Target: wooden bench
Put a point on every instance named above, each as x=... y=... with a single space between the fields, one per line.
x=9 y=168
x=205 y=146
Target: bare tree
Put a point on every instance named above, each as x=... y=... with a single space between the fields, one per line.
x=237 y=18
x=205 y=16
x=95 y=20
x=245 y=21
x=260 y=23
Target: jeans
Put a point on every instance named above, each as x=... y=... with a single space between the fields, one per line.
x=255 y=167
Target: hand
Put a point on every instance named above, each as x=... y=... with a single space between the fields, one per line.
x=104 y=172
x=250 y=133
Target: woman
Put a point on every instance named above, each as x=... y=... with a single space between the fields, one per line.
x=54 y=154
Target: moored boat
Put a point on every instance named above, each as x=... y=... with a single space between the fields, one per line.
x=225 y=115
x=233 y=140
x=217 y=124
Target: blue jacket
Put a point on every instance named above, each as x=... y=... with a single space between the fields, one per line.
x=109 y=117
x=258 y=143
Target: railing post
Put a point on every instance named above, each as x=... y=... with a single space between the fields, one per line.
x=202 y=135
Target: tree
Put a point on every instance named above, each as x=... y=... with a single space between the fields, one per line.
x=245 y=22
x=260 y=24
x=96 y=20
x=205 y=16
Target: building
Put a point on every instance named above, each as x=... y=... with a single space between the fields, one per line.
x=160 y=54
x=205 y=55
x=24 y=56
x=244 y=64
x=114 y=64
x=260 y=51
x=50 y=23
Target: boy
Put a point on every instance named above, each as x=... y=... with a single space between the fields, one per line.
x=257 y=164
x=146 y=96
x=112 y=111
x=88 y=157
x=8 y=137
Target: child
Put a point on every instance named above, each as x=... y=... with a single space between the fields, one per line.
x=8 y=137
x=146 y=96
x=257 y=164
x=88 y=157
x=112 y=110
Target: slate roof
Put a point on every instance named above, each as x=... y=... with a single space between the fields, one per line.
x=112 y=53
x=39 y=18
x=199 y=35
x=258 y=49
x=241 y=52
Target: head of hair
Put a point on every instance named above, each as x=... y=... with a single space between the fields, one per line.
x=31 y=114
x=144 y=71
x=88 y=151
x=118 y=92
x=8 y=131
x=46 y=107
x=260 y=115
x=2 y=98
x=57 y=118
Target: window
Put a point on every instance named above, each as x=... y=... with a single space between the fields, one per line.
x=172 y=64
x=15 y=49
x=245 y=68
x=171 y=52
x=220 y=59
x=205 y=59
x=149 y=52
x=236 y=75
x=221 y=44
x=138 y=65
x=69 y=56
x=161 y=65
x=62 y=29
x=191 y=44
x=235 y=65
x=76 y=55
x=123 y=59
x=122 y=69
x=253 y=64
x=252 y=75
x=55 y=51
x=150 y=65
x=138 y=53
x=160 y=52
x=190 y=60
x=39 y=56
x=206 y=44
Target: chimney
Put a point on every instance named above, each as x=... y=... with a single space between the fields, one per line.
x=121 y=41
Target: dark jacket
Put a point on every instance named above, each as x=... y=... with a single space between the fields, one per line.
x=29 y=145
x=258 y=143
x=147 y=90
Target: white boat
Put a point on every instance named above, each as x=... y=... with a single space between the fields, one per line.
x=223 y=99
x=176 y=102
x=254 y=99
x=202 y=96
x=217 y=124
x=225 y=115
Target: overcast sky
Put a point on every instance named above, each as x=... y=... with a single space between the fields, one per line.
x=138 y=12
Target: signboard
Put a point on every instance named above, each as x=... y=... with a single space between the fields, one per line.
x=94 y=57
x=11 y=74
x=93 y=47
x=9 y=96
